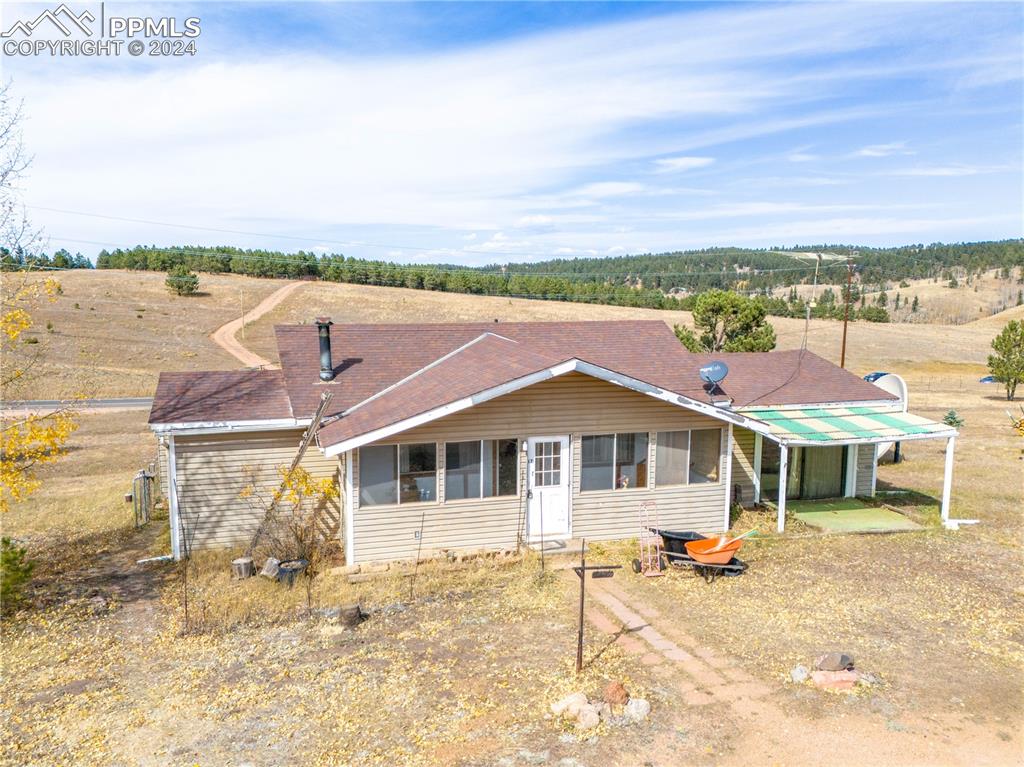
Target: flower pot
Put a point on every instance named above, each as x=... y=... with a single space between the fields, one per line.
x=288 y=570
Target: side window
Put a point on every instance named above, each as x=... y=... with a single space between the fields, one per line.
x=481 y=468
x=597 y=462
x=672 y=463
x=417 y=476
x=461 y=470
x=378 y=475
x=705 y=455
x=390 y=474
x=613 y=461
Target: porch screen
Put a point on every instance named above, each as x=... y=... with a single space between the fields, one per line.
x=823 y=472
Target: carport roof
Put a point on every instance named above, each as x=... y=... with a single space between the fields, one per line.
x=845 y=425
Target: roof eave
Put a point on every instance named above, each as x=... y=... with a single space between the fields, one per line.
x=182 y=428
x=865 y=440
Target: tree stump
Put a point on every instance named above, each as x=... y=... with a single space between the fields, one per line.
x=350 y=615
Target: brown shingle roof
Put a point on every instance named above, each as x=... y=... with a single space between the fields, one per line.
x=371 y=358
x=789 y=378
x=228 y=395
x=487 y=361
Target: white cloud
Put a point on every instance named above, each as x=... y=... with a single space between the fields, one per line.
x=601 y=189
x=497 y=137
x=800 y=156
x=859 y=228
x=678 y=164
x=952 y=171
x=538 y=220
x=777 y=209
x=884 y=150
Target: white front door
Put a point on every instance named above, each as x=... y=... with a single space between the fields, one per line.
x=547 y=486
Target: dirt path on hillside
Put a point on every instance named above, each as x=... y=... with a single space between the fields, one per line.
x=224 y=336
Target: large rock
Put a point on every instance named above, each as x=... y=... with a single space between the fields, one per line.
x=799 y=674
x=570 y=705
x=587 y=717
x=637 y=710
x=615 y=694
x=835 y=680
x=834 y=661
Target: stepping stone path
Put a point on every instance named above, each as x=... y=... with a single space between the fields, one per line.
x=640 y=630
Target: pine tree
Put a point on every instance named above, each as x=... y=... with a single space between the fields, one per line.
x=913 y=306
x=1007 y=364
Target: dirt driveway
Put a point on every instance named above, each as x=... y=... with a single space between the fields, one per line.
x=224 y=336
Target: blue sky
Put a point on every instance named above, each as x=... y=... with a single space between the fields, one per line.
x=490 y=132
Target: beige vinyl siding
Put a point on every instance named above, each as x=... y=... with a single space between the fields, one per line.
x=573 y=404
x=865 y=469
x=212 y=471
x=743 y=464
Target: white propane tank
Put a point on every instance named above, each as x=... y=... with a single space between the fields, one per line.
x=893 y=384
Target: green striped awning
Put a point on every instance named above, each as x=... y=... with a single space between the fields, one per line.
x=868 y=423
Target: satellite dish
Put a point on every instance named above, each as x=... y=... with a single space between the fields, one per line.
x=895 y=385
x=714 y=373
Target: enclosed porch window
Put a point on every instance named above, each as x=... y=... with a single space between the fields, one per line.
x=481 y=469
x=688 y=457
x=390 y=474
x=614 y=461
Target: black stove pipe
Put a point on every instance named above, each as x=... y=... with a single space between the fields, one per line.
x=326 y=366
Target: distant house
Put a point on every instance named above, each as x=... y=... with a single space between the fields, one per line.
x=482 y=435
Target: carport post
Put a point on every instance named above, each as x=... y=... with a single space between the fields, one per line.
x=783 y=474
x=947 y=480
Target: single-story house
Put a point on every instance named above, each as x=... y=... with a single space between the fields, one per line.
x=485 y=435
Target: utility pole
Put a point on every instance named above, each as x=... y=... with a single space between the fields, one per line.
x=846 y=313
x=241 y=308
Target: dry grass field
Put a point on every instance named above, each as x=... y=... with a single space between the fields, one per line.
x=127 y=328
x=446 y=670
x=114 y=331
